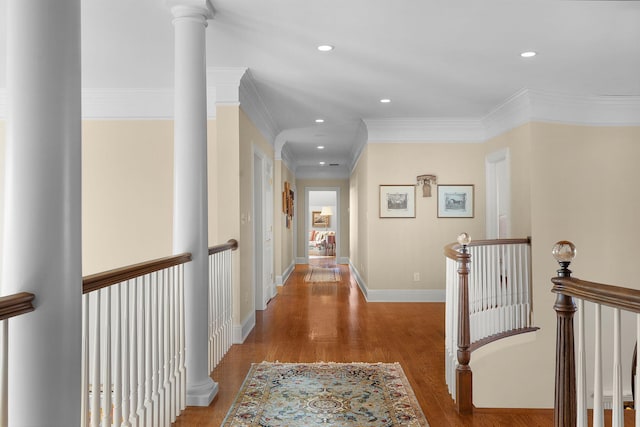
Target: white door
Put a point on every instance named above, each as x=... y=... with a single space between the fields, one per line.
x=263 y=229
x=498 y=195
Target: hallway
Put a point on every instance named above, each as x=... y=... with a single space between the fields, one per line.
x=331 y=321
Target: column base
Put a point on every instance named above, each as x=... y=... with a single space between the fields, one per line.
x=202 y=394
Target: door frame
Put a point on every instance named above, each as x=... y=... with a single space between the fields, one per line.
x=494 y=196
x=307 y=221
x=262 y=202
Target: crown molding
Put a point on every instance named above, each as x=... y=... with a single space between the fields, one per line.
x=226 y=82
x=113 y=104
x=590 y=110
x=424 y=130
x=127 y=103
x=253 y=105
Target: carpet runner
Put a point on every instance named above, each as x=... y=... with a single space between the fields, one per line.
x=320 y=274
x=325 y=394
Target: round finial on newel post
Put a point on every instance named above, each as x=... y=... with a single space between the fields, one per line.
x=564 y=252
x=464 y=239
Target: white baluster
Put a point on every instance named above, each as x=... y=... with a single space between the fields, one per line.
x=106 y=357
x=155 y=350
x=181 y=322
x=617 y=414
x=126 y=368
x=581 y=370
x=117 y=363
x=142 y=352
x=95 y=368
x=4 y=372
x=148 y=353
x=598 y=408
x=135 y=353
x=86 y=404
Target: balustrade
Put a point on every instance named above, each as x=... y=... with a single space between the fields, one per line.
x=488 y=297
x=220 y=302
x=571 y=405
x=10 y=306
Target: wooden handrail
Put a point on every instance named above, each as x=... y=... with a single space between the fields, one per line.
x=612 y=296
x=231 y=244
x=451 y=250
x=102 y=280
x=16 y=304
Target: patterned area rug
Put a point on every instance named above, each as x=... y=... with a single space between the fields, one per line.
x=325 y=394
x=321 y=274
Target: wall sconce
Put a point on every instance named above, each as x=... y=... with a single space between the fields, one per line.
x=426 y=181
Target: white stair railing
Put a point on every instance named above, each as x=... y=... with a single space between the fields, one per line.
x=10 y=306
x=220 y=301
x=133 y=343
x=499 y=296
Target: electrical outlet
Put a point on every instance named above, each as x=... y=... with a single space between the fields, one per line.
x=416 y=277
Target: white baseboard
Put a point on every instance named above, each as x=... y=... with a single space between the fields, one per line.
x=397 y=295
x=281 y=280
x=302 y=260
x=240 y=332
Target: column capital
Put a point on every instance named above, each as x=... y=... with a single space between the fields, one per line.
x=183 y=8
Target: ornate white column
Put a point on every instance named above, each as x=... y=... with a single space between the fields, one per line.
x=42 y=231
x=190 y=215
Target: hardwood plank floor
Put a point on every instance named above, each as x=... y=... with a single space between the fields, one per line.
x=311 y=322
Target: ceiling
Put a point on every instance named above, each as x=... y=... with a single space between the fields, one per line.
x=433 y=59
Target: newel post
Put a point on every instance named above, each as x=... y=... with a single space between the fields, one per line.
x=565 y=408
x=464 y=376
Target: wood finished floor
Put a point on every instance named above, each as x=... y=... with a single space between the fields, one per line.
x=312 y=322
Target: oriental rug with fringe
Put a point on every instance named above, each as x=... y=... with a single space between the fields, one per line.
x=325 y=394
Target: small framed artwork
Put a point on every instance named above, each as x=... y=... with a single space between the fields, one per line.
x=319 y=220
x=398 y=201
x=455 y=201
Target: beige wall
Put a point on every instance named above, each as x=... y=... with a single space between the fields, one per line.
x=302 y=236
x=358 y=220
x=227 y=207
x=250 y=139
x=400 y=247
x=583 y=189
x=518 y=142
x=127 y=192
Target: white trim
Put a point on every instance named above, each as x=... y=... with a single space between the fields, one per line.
x=359 y=280
x=226 y=81
x=491 y=185
x=241 y=332
x=226 y=86
x=281 y=280
x=513 y=112
x=253 y=105
x=307 y=219
x=405 y=295
x=396 y=295
x=425 y=130
x=302 y=260
x=127 y=104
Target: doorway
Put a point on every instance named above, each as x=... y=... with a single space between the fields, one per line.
x=498 y=195
x=322 y=225
x=264 y=286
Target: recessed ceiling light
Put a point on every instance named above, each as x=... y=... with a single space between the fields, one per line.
x=528 y=54
x=320 y=147
x=322 y=163
x=385 y=100
x=319 y=120
x=325 y=48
